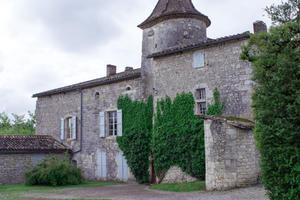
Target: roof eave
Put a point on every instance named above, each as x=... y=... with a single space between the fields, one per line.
x=88 y=85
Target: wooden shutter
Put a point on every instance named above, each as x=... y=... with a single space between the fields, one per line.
x=74 y=132
x=62 y=128
x=122 y=167
x=120 y=122
x=102 y=124
x=101 y=164
x=198 y=59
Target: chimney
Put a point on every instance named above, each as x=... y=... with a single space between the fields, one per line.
x=111 y=70
x=128 y=69
x=259 y=26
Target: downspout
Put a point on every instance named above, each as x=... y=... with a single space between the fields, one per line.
x=80 y=130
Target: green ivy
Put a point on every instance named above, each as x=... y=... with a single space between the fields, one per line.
x=135 y=141
x=218 y=107
x=178 y=137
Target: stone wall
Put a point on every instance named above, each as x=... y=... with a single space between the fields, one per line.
x=14 y=166
x=176 y=175
x=231 y=156
x=51 y=109
x=223 y=70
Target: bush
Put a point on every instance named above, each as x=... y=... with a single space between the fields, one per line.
x=276 y=103
x=53 y=171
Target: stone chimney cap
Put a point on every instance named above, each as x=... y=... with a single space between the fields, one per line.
x=128 y=69
x=111 y=70
x=259 y=26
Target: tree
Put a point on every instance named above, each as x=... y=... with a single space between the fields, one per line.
x=275 y=57
x=285 y=12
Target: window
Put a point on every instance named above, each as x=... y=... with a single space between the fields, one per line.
x=198 y=59
x=200 y=97
x=112 y=123
x=68 y=128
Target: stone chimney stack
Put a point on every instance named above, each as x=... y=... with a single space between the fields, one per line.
x=259 y=26
x=128 y=69
x=111 y=70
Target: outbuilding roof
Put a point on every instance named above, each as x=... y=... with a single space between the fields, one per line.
x=207 y=43
x=30 y=143
x=169 y=9
x=130 y=74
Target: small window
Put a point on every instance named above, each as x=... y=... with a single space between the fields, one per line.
x=112 y=123
x=128 y=88
x=200 y=97
x=198 y=59
x=97 y=94
x=70 y=128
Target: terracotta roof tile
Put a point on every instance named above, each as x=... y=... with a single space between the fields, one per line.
x=209 y=42
x=30 y=143
x=169 y=9
x=131 y=74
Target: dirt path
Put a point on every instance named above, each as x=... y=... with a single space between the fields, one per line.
x=141 y=192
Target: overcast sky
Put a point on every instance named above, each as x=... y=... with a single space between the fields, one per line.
x=46 y=44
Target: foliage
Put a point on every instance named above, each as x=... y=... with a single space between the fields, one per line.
x=18 y=124
x=218 y=107
x=178 y=137
x=275 y=57
x=135 y=141
x=53 y=171
x=286 y=12
x=180 y=187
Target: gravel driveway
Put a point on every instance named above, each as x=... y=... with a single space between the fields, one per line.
x=141 y=192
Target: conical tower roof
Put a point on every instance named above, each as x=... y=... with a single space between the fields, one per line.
x=169 y=9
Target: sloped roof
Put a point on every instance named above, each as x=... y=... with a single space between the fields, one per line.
x=169 y=9
x=131 y=74
x=30 y=143
x=207 y=43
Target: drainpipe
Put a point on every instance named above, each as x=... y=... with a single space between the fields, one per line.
x=80 y=148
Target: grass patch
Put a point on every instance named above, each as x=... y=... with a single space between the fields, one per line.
x=180 y=187
x=15 y=192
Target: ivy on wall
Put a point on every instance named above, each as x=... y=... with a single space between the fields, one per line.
x=178 y=137
x=217 y=107
x=135 y=141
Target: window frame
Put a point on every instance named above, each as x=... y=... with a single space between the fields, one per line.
x=200 y=100
x=111 y=123
x=199 y=59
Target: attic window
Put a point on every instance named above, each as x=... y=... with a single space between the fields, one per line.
x=97 y=94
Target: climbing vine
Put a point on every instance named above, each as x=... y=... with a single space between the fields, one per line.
x=217 y=107
x=135 y=141
x=178 y=137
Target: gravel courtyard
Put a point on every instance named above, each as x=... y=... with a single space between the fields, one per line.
x=141 y=192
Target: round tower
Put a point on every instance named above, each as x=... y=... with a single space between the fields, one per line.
x=172 y=23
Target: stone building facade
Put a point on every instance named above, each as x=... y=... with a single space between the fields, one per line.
x=177 y=56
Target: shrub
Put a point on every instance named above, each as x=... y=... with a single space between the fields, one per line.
x=53 y=171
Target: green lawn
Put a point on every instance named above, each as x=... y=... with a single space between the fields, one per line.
x=180 y=187
x=14 y=192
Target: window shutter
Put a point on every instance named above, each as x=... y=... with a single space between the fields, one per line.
x=198 y=59
x=102 y=124
x=103 y=163
x=62 y=128
x=120 y=122
x=74 y=133
x=120 y=165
